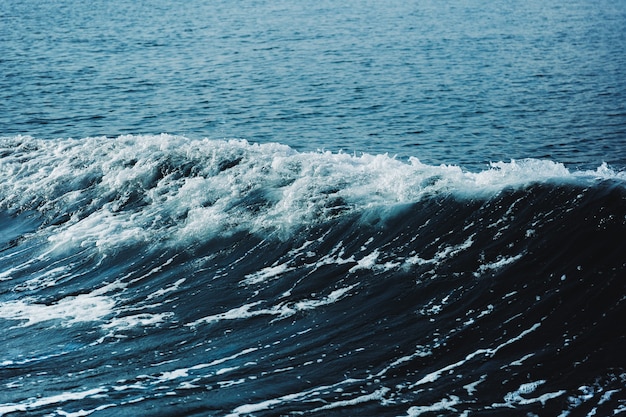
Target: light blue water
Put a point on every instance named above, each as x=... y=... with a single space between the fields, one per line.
x=458 y=82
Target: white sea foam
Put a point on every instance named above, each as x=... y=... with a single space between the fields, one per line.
x=419 y=353
x=500 y=263
x=184 y=372
x=225 y=370
x=9 y=273
x=69 y=310
x=102 y=229
x=471 y=387
x=377 y=395
x=264 y=274
x=34 y=403
x=141 y=188
x=167 y=290
x=83 y=413
x=521 y=360
x=489 y=352
x=519 y=396
x=443 y=254
x=282 y=310
x=99 y=305
x=137 y=320
x=226 y=384
x=47 y=278
x=446 y=404
x=367 y=262
x=247 y=409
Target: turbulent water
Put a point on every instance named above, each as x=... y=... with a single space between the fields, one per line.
x=149 y=275
x=464 y=255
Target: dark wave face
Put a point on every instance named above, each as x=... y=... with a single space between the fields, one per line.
x=158 y=275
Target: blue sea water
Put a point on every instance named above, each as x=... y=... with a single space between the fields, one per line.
x=261 y=208
x=461 y=82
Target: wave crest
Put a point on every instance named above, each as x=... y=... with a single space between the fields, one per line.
x=135 y=188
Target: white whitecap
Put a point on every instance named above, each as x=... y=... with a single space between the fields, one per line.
x=132 y=189
x=68 y=310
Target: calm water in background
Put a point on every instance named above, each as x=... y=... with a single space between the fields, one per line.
x=457 y=82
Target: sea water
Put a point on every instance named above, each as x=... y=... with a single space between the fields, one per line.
x=265 y=208
x=456 y=83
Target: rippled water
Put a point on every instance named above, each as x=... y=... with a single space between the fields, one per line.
x=458 y=82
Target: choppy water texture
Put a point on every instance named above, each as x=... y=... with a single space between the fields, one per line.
x=239 y=265
x=162 y=275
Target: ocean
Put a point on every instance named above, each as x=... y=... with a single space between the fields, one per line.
x=272 y=208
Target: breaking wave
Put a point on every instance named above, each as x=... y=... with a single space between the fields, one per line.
x=160 y=274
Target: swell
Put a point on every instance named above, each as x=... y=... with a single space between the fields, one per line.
x=474 y=294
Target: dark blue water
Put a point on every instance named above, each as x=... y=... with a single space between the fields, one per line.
x=292 y=208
